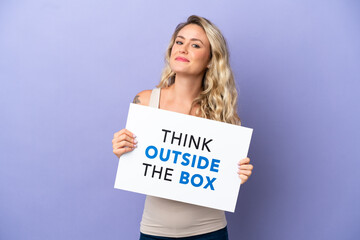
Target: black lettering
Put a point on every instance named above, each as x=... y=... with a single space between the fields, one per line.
x=166 y=132
x=168 y=174
x=185 y=140
x=177 y=138
x=205 y=144
x=146 y=167
x=192 y=139
x=159 y=172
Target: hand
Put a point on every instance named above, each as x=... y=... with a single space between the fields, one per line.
x=124 y=141
x=245 y=169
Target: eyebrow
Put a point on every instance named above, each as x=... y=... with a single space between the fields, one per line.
x=192 y=39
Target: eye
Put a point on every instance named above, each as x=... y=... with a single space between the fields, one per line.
x=196 y=45
x=179 y=42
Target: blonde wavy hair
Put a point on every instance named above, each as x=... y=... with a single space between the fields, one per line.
x=218 y=98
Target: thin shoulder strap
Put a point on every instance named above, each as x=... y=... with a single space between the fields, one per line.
x=155 y=98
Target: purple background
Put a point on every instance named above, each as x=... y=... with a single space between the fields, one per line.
x=69 y=69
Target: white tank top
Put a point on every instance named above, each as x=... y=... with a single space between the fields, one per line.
x=168 y=218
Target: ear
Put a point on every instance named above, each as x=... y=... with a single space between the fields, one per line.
x=209 y=64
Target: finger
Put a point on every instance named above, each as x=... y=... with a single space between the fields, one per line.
x=124 y=144
x=124 y=131
x=245 y=172
x=244 y=161
x=124 y=137
x=120 y=151
x=246 y=167
x=243 y=178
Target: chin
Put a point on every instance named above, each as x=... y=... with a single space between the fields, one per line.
x=180 y=70
x=186 y=70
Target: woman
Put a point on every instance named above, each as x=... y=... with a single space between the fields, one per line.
x=197 y=80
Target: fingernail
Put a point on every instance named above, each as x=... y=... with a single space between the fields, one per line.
x=134 y=135
x=135 y=146
x=135 y=141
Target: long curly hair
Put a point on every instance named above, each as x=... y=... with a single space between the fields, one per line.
x=218 y=98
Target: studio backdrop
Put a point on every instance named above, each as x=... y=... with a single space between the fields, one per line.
x=69 y=69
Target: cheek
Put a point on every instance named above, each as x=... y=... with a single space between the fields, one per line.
x=173 y=50
x=204 y=57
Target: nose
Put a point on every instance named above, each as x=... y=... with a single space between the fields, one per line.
x=183 y=48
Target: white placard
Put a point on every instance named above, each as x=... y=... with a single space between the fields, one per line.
x=183 y=158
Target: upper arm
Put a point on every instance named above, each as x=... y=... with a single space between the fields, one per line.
x=142 y=98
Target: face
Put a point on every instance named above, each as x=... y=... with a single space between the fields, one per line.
x=190 y=53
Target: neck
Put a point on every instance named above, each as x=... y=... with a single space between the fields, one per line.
x=186 y=88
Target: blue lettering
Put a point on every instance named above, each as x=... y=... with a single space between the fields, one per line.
x=162 y=155
x=187 y=161
x=193 y=161
x=184 y=177
x=176 y=155
x=193 y=180
x=201 y=158
x=209 y=183
x=214 y=165
x=147 y=152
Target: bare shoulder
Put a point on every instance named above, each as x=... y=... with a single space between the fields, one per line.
x=143 y=97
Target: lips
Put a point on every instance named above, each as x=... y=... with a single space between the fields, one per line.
x=181 y=59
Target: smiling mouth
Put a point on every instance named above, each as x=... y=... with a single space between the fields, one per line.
x=181 y=59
